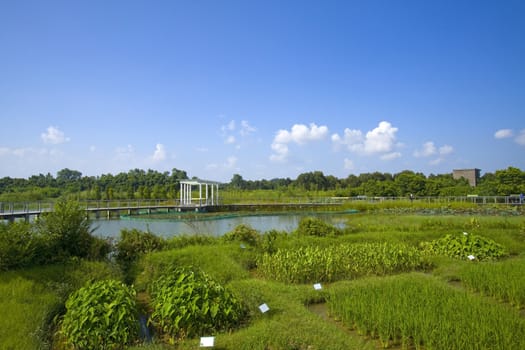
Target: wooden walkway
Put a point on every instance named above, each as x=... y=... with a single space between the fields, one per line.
x=108 y=209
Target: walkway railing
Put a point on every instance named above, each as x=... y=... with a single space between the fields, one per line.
x=35 y=208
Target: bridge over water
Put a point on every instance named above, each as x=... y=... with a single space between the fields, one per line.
x=10 y=211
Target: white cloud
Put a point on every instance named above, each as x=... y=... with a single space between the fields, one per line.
x=428 y=149
x=520 y=139
x=281 y=152
x=160 y=153
x=230 y=140
x=390 y=156
x=54 y=136
x=299 y=134
x=508 y=133
x=381 y=139
x=503 y=133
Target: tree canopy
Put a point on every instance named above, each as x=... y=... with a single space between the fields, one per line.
x=151 y=184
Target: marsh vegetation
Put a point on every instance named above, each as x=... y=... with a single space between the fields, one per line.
x=391 y=277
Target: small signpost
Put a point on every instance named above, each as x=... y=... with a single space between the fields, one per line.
x=264 y=308
x=207 y=342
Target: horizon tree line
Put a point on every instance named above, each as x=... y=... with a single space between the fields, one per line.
x=152 y=184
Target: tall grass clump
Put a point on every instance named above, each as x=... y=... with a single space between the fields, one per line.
x=418 y=311
x=345 y=261
x=503 y=280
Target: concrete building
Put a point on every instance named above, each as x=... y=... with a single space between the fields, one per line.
x=472 y=175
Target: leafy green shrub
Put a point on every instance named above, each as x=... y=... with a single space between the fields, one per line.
x=345 y=261
x=310 y=226
x=102 y=315
x=269 y=240
x=18 y=245
x=460 y=246
x=66 y=230
x=188 y=303
x=243 y=233
x=134 y=242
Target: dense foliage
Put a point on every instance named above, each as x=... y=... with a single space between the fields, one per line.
x=243 y=233
x=189 y=303
x=151 y=184
x=55 y=237
x=465 y=246
x=101 y=315
x=311 y=226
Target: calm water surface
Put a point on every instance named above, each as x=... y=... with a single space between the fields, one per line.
x=215 y=227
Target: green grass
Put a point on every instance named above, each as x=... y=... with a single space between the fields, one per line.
x=26 y=308
x=32 y=297
x=420 y=310
x=480 y=308
x=503 y=281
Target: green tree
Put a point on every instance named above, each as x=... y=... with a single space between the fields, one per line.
x=67 y=231
x=510 y=181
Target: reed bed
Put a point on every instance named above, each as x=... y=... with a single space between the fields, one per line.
x=416 y=310
x=504 y=281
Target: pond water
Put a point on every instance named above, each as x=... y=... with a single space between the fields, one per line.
x=210 y=226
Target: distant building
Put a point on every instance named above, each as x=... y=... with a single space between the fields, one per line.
x=472 y=175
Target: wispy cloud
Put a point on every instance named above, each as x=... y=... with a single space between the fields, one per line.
x=509 y=133
x=160 y=153
x=520 y=139
x=246 y=128
x=54 y=136
x=229 y=130
x=299 y=134
x=228 y=164
x=503 y=134
x=429 y=149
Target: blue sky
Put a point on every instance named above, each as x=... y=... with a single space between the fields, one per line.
x=263 y=89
